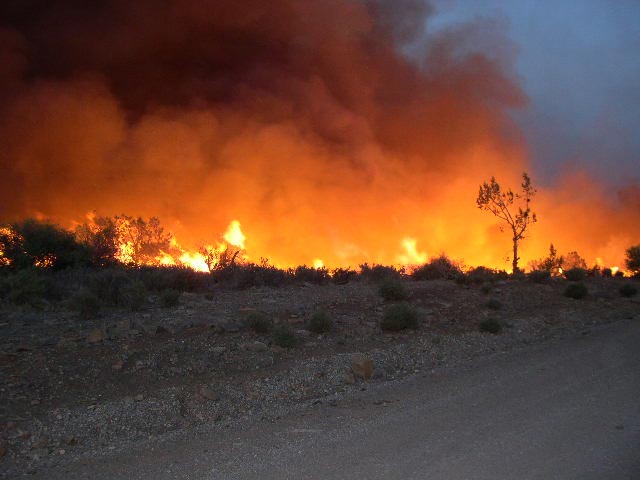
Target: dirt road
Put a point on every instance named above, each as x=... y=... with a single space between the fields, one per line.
x=565 y=410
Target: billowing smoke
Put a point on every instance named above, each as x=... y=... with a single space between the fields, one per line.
x=330 y=129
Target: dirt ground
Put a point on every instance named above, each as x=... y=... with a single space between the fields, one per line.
x=72 y=388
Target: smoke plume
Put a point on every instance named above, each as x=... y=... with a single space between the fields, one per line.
x=308 y=121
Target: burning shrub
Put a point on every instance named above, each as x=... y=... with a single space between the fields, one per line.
x=259 y=322
x=320 y=322
x=628 y=290
x=284 y=337
x=393 y=290
x=576 y=290
x=632 y=259
x=552 y=263
x=100 y=236
x=41 y=244
x=377 y=273
x=170 y=298
x=399 y=317
x=86 y=303
x=573 y=260
x=575 y=274
x=438 y=268
x=539 y=276
x=490 y=325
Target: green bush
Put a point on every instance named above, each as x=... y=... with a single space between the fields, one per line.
x=86 y=303
x=399 y=317
x=490 y=325
x=628 y=290
x=392 y=290
x=575 y=274
x=539 y=276
x=283 y=337
x=259 y=322
x=576 y=290
x=170 y=298
x=493 y=304
x=320 y=322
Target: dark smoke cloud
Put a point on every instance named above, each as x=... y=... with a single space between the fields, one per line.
x=283 y=113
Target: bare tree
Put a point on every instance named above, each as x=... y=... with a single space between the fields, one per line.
x=513 y=208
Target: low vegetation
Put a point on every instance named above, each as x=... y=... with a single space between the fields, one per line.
x=490 y=325
x=259 y=322
x=393 y=290
x=399 y=316
x=628 y=290
x=576 y=290
x=283 y=337
x=320 y=322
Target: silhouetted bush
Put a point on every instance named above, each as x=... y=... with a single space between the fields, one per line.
x=303 y=273
x=632 y=259
x=399 y=316
x=607 y=272
x=482 y=274
x=86 y=303
x=284 y=337
x=393 y=290
x=180 y=278
x=320 y=322
x=342 y=276
x=539 y=276
x=575 y=274
x=377 y=273
x=628 y=290
x=438 y=268
x=576 y=290
x=243 y=276
x=490 y=325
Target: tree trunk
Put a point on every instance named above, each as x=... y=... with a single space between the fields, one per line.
x=515 y=255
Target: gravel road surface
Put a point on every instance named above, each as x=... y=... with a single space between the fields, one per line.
x=569 y=409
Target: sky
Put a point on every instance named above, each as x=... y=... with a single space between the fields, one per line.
x=579 y=64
